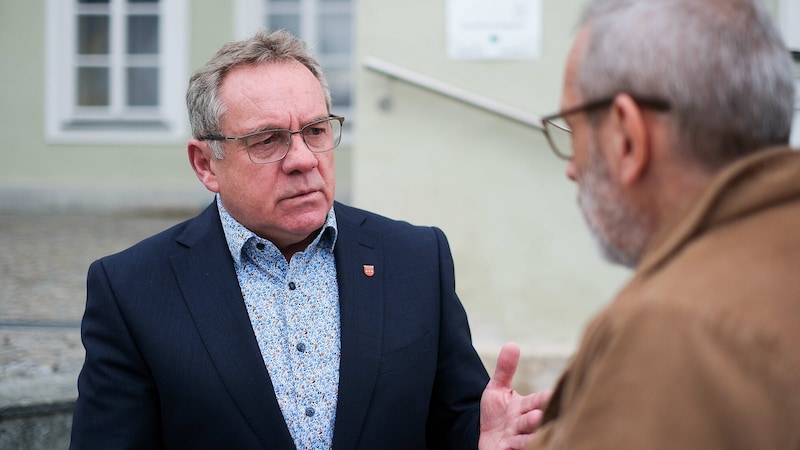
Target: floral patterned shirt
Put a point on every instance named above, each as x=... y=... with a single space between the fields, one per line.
x=294 y=310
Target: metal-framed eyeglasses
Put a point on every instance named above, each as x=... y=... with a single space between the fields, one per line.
x=272 y=145
x=559 y=134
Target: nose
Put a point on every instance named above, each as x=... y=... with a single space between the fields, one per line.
x=299 y=156
x=571 y=172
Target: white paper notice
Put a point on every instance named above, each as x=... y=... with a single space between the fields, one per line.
x=494 y=29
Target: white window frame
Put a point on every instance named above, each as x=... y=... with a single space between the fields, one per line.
x=163 y=124
x=251 y=15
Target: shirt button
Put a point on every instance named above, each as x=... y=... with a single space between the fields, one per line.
x=260 y=246
x=292 y=286
x=309 y=412
x=301 y=347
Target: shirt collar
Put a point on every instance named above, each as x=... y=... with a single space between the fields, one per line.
x=237 y=235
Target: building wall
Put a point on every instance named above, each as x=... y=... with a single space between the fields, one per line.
x=526 y=267
x=37 y=173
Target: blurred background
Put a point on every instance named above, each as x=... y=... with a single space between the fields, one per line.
x=442 y=99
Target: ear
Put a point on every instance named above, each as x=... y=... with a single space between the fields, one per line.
x=203 y=161
x=632 y=150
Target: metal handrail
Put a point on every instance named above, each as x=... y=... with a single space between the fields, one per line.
x=416 y=79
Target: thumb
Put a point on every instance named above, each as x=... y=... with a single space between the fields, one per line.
x=506 y=366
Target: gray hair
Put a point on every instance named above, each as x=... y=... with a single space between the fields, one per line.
x=205 y=107
x=721 y=64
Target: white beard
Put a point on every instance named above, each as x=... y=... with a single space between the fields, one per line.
x=620 y=234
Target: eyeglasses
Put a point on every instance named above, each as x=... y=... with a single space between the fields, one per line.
x=269 y=146
x=559 y=134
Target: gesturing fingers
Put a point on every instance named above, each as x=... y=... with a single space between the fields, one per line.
x=506 y=367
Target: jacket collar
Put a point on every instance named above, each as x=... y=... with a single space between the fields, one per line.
x=210 y=289
x=759 y=181
x=361 y=303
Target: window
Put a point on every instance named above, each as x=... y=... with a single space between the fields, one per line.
x=327 y=27
x=116 y=70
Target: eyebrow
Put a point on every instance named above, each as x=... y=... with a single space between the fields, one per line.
x=264 y=128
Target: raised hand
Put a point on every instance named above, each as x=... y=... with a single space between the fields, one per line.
x=508 y=419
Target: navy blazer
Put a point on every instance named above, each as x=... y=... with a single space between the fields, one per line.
x=172 y=361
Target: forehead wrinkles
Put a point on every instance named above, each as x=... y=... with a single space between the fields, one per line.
x=272 y=95
x=269 y=81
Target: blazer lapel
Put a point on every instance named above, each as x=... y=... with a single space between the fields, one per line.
x=210 y=288
x=361 y=312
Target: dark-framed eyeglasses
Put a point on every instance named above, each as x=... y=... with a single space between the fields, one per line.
x=559 y=134
x=269 y=146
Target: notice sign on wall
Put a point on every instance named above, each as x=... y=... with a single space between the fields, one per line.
x=494 y=30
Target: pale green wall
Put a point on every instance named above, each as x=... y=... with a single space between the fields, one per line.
x=525 y=266
x=22 y=81
x=31 y=163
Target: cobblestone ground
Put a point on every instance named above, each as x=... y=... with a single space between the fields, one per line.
x=43 y=262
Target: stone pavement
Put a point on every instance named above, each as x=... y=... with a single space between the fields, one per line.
x=44 y=257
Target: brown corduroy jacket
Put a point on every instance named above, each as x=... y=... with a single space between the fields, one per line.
x=701 y=350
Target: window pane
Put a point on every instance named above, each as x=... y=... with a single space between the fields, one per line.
x=142 y=35
x=289 y=22
x=93 y=86
x=142 y=86
x=93 y=35
x=339 y=81
x=335 y=33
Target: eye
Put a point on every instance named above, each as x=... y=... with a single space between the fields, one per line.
x=267 y=138
x=316 y=130
x=264 y=146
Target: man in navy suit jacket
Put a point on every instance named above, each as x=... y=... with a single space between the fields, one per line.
x=278 y=318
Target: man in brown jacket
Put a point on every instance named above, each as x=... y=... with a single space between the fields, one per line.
x=675 y=119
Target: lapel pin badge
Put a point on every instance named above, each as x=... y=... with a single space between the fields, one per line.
x=369 y=270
